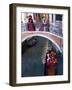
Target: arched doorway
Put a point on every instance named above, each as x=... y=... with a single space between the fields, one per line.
x=34 y=50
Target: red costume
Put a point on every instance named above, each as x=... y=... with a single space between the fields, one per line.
x=53 y=60
x=30 y=24
x=50 y=64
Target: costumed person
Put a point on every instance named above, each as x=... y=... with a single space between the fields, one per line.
x=45 y=24
x=46 y=60
x=51 y=62
x=30 y=24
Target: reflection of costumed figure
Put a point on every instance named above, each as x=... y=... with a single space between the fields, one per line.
x=30 y=24
x=51 y=61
